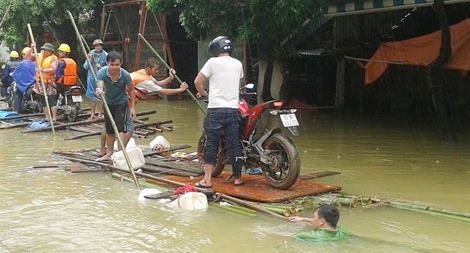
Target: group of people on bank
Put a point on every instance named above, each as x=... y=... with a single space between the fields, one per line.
x=56 y=72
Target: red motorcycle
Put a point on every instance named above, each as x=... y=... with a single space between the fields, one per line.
x=263 y=143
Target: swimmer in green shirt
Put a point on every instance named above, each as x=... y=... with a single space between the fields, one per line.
x=324 y=223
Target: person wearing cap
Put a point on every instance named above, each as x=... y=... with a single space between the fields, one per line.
x=47 y=64
x=24 y=52
x=9 y=68
x=97 y=57
x=24 y=76
x=66 y=75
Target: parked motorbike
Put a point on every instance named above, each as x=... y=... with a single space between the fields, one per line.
x=263 y=143
x=68 y=102
x=30 y=101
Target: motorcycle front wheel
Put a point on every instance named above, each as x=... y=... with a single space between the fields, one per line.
x=221 y=156
x=284 y=162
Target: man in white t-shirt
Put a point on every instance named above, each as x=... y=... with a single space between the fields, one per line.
x=224 y=74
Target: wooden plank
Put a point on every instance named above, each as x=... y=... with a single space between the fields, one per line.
x=83 y=135
x=15 y=125
x=257 y=189
x=63 y=126
x=160 y=195
x=25 y=116
x=81 y=129
x=173 y=165
x=171 y=149
x=77 y=169
x=168 y=171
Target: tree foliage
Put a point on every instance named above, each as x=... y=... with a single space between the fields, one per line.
x=269 y=21
x=42 y=16
x=264 y=22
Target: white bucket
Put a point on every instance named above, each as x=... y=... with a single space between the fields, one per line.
x=147 y=191
x=3 y=105
x=190 y=201
x=159 y=143
x=131 y=143
x=135 y=156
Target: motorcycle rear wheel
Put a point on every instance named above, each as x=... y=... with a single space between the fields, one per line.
x=10 y=97
x=284 y=170
x=73 y=114
x=221 y=156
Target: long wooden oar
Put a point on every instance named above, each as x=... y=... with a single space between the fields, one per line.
x=106 y=107
x=42 y=79
x=177 y=78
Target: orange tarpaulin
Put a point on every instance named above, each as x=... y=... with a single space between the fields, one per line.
x=421 y=51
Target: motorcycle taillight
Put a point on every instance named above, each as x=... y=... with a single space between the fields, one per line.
x=243 y=107
x=278 y=104
x=76 y=92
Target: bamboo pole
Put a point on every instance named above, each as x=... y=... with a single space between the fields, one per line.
x=427 y=209
x=83 y=135
x=163 y=151
x=105 y=104
x=23 y=116
x=85 y=43
x=125 y=178
x=249 y=205
x=169 y=171
x=42 y=79
x=62 y=126
x=233 y=208
x=5 y=15
x=166 y=65
x=145 y=175
x=281 y=211
x=354 y=201
x=11 y=125
x=376 y=61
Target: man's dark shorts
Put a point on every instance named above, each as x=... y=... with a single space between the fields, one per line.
x=120 y=115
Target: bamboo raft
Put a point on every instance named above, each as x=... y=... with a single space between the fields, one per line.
x=157 y=168
x=85 y=127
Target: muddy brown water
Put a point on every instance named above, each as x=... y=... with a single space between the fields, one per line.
x=50 y=210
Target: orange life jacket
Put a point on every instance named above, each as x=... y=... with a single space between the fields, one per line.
x=69 y=77
x=45 y=64
x=137 y=77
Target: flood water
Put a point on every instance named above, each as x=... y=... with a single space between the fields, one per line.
x=51 y=210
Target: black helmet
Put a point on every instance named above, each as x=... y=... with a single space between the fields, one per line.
x=219 y=45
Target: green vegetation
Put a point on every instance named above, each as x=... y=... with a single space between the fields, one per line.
x=265 y=22
x=44 y=16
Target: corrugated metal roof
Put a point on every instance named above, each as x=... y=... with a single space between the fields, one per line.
x=313 y=52
x=368 y=6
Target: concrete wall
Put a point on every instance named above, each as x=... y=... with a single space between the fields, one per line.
x=276 y=79
x=4 y=53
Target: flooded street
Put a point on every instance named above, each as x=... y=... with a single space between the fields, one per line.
x=51 y=210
